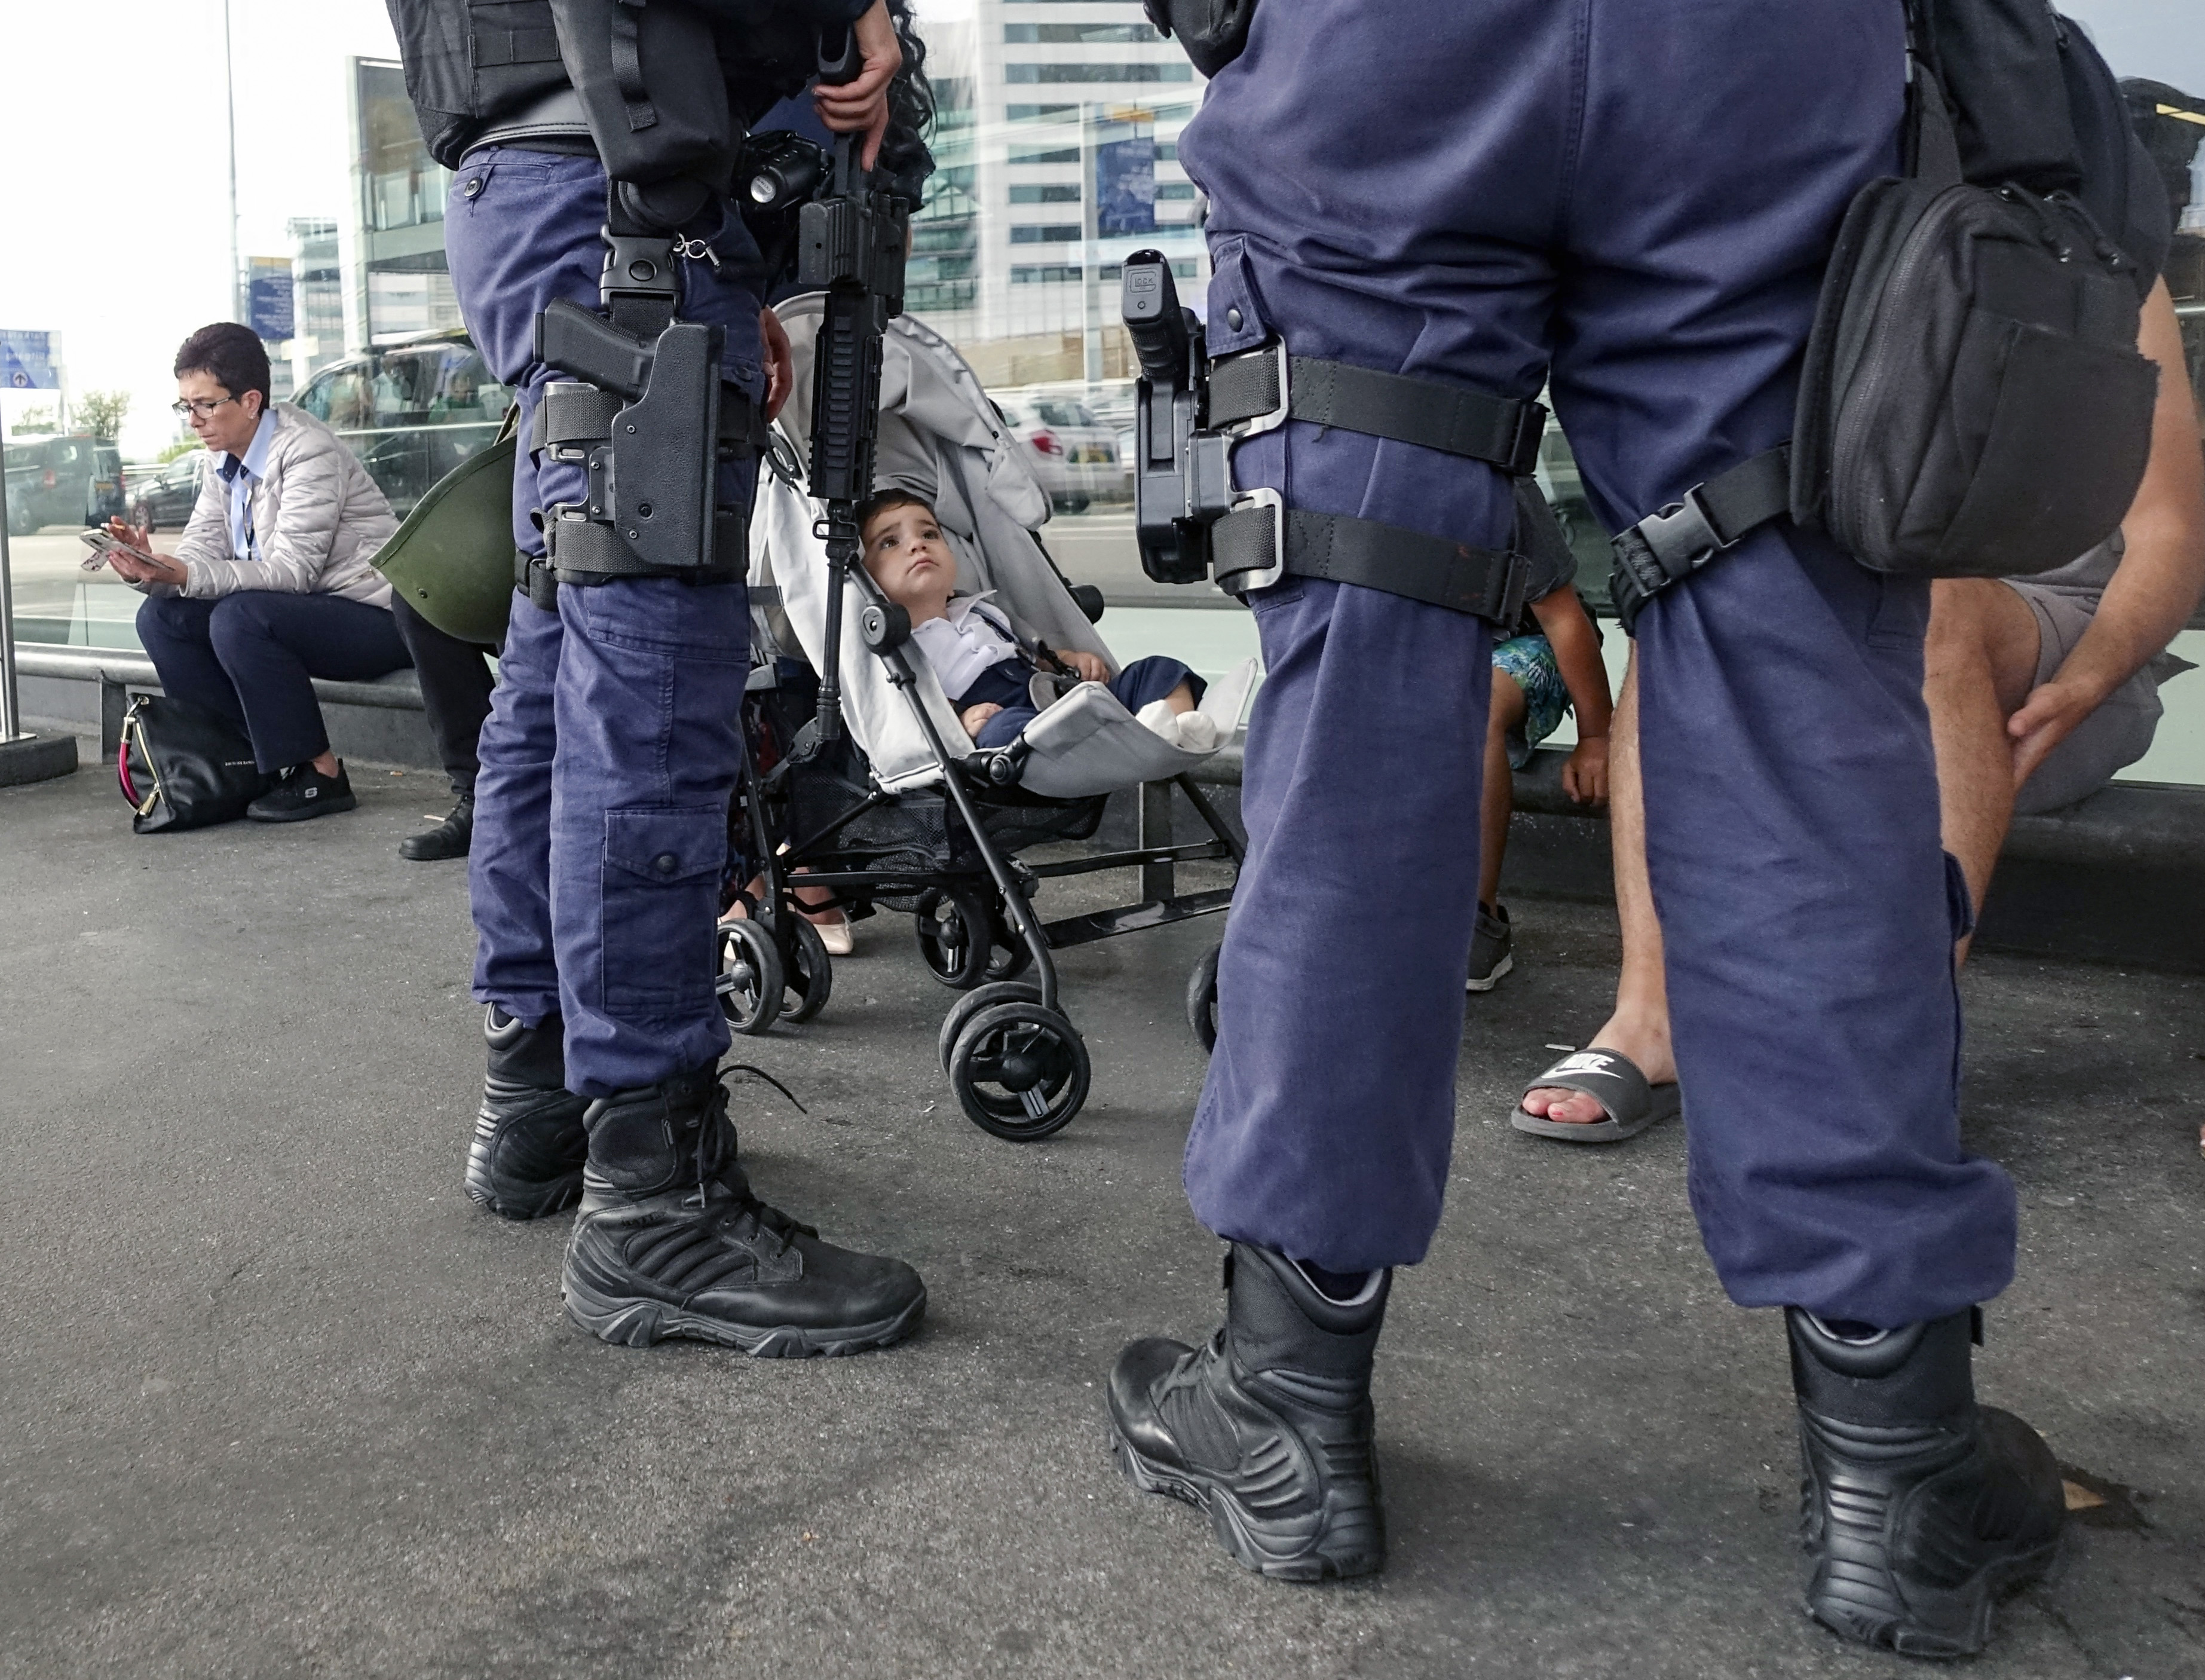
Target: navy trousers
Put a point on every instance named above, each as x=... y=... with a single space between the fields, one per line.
x=1136 y=686
x=612 y=747
x=253 y=657
x=1634 y=200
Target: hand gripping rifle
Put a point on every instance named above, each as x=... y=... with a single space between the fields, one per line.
x=850 y=245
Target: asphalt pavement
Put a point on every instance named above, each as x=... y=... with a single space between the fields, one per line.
x=280 y=1400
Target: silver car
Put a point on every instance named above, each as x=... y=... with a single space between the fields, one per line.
x=1072 y=453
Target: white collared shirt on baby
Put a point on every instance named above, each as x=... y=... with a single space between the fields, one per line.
x=965 y=643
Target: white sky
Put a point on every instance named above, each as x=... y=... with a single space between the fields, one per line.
x=112 y=226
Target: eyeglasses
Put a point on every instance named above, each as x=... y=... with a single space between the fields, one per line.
x=202 y=406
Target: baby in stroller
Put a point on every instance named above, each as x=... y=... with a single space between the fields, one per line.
x=989 y=672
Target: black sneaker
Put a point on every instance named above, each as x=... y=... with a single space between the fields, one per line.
x=449 y=839
x=302 y=793
x=671 y=1241
x=526 y=1160
x=1920 y=1509
x=1268 y=1428
x=1491 y=949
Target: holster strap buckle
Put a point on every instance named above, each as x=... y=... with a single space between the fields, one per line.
x=1262 y=540
x=1684 y=536
x=532 y=578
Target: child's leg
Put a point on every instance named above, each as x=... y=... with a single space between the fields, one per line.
x=1497 y=799
x=1156 y=678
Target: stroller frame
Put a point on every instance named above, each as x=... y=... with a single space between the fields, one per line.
x=968 y=781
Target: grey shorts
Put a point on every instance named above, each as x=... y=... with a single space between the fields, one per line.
x=2110 y=739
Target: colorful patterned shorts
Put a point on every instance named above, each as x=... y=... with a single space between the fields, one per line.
x=1530 y=661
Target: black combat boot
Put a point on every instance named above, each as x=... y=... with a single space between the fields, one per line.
x=526 y=1158
x=1919 y=1508
x=671 y=1241
x=1268 y=1426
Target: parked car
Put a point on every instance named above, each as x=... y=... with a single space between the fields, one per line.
x=411 y=411
x=73 y=480
x=1072 y=452
x=164 y=497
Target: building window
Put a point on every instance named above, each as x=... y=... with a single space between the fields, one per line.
x=1046 y=274
x=1085 y=34
x=1039 y=113
x=1065 y=192
x=1168 y=151
x=1069 y=155
x=1049 y=233
x=1170 y=72
x=1169 y=189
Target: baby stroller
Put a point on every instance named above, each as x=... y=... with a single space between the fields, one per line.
x=901 y=811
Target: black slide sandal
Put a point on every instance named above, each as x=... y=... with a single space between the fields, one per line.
x=1611 y=1079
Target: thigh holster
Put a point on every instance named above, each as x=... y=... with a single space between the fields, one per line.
x=651 y=418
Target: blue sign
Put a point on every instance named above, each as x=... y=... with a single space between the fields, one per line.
x=27 y=361
x=1125 y=187
x=267 y=299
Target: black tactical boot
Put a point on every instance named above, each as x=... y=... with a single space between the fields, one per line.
x=526 y=1158
x=1268 y=1426
x=1919 y=1508
x=671 y=1241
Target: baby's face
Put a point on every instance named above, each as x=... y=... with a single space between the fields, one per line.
x=909 y=558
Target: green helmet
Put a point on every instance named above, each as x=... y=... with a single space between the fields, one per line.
x=452 y=560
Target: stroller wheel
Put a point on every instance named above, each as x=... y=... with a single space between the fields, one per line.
x=1202 y=999
x=811 y=977
x=750 y=981
x=979 y=997
x=952 y=927
x=1020 y=1071
x=1010 y=958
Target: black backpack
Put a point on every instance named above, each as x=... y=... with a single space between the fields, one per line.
x=1972 y=403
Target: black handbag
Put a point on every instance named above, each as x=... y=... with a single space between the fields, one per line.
x=181 y=766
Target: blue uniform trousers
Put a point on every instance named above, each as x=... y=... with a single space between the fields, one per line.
x=613 y=745
x=1634 y=199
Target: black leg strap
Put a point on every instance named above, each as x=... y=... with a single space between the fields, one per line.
x=1251 y=550
x=1503 y=431
x=532 y=578
x=1686 y=535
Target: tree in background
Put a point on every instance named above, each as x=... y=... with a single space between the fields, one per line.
x=34 y=423
x=101 y=411
x=181 y=446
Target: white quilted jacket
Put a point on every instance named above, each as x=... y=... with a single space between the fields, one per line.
x=318 y=520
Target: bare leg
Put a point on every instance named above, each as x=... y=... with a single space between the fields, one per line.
x=1639 y=1028
x=1180 y=699
x=1497 y=798
x=1978 y=666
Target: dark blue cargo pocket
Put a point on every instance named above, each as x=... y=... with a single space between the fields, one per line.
x=660 y=896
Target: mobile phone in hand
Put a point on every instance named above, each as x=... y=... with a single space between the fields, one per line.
x=103 y=545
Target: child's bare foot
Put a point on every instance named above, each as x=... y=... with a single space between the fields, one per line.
x=1642 y=1037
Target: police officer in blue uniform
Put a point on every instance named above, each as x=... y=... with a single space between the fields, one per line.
x=611 y=750
x=1633 y=200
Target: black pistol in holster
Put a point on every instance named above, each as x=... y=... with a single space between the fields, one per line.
x=647 y=411
x=850 y=241
x=1192 y=522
